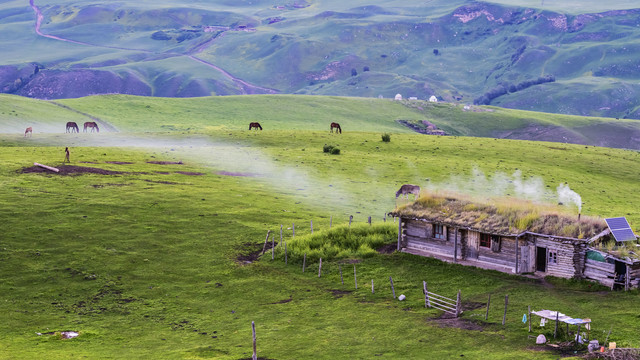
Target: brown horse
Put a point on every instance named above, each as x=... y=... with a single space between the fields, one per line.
x=255 y=125
x=28 y=131
x=337 y=127
x=73 y=126
x=92 y=125
x=407 y=189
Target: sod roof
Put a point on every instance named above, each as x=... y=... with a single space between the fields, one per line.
x=501 y=218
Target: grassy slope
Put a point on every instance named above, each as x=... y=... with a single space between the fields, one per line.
x=235 y=112
x=159 y=250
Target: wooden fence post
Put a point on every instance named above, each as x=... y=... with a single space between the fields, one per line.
x=529 y=316
x=392 y=289
x=516 y=267
x=320 y=268
x=455 y=245
x=555 y=332
x=426 y=295
x=350 y=218
x=369 y=220
x=264 y=247
x=399 y=233
x=506 y=302
x=486 y=316
x=253 y=329
x=577 y=334
x=372 y=287
x=385 y=217
x=458 y=304
x=304 y=261
x=355 y=278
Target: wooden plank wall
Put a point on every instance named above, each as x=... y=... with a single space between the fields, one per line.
x=506 y=256
x=600 y=271
x=418 y=235
x=634 y=275
x=570 y=257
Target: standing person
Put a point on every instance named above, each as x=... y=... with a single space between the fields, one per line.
x=66 y=155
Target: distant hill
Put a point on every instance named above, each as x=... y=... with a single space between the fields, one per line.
x=577 y=57
x=218 y=114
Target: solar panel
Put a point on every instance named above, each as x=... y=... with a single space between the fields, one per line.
x=620 y=229
x=623 y=234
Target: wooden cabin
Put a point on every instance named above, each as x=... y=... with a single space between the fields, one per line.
x=511 y=240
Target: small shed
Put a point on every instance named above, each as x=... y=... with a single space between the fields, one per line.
x=433 y=98
x=513 y=240
x=398 y=97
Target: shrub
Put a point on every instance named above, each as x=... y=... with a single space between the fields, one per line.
x=160 y=35
x=327 y=148
x=335 y=151
x=386 y=137
x=340 y=242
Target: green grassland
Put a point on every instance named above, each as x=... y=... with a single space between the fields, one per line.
x=144 y=263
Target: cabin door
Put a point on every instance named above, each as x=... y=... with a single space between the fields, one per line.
x=541 y=259
x=471 y=245
x=524 y=263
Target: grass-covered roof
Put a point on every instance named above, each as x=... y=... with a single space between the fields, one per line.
x=501 y=217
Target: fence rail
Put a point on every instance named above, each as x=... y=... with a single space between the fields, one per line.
x=443 y=303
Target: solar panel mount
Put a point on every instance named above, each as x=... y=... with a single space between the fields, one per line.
x=620 y=229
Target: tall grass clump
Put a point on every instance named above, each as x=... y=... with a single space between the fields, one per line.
x=386 y=137
x=340 y=242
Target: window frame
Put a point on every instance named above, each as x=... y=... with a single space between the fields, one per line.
x=485 y=240
x=552 y=257
x=438 y=231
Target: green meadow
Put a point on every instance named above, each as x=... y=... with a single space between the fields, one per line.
x=158 y=258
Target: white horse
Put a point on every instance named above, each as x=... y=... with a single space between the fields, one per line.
x=407 y=189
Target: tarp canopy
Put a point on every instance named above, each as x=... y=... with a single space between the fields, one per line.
x=595 y=255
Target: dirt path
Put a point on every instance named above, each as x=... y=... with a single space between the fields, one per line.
x=246 y=88
x=103 y=124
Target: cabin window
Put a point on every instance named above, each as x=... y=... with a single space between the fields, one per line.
x=553 y=257
x=438 y=231
x=485 y=240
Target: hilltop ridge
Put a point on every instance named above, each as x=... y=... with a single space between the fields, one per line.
x=512 y=54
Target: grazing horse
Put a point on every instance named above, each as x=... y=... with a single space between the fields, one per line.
x=92 y=125
x=255 y=125
x=337 y=127
x=73 y=126
x=28 y=131
x=407 y=189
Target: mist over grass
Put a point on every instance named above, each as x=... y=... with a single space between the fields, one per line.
x=530 y=187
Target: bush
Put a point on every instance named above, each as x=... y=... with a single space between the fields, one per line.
x=160 y=35
x=335 y=151
x=386 y=137
x=327 y=148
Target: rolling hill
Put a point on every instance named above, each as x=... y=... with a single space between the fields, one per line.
x=570 y=58
x=126 y=113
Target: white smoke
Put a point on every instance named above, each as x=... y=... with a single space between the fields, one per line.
x=228 y=158
x=566 y=195
x=517 y=185
x=500 y=184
